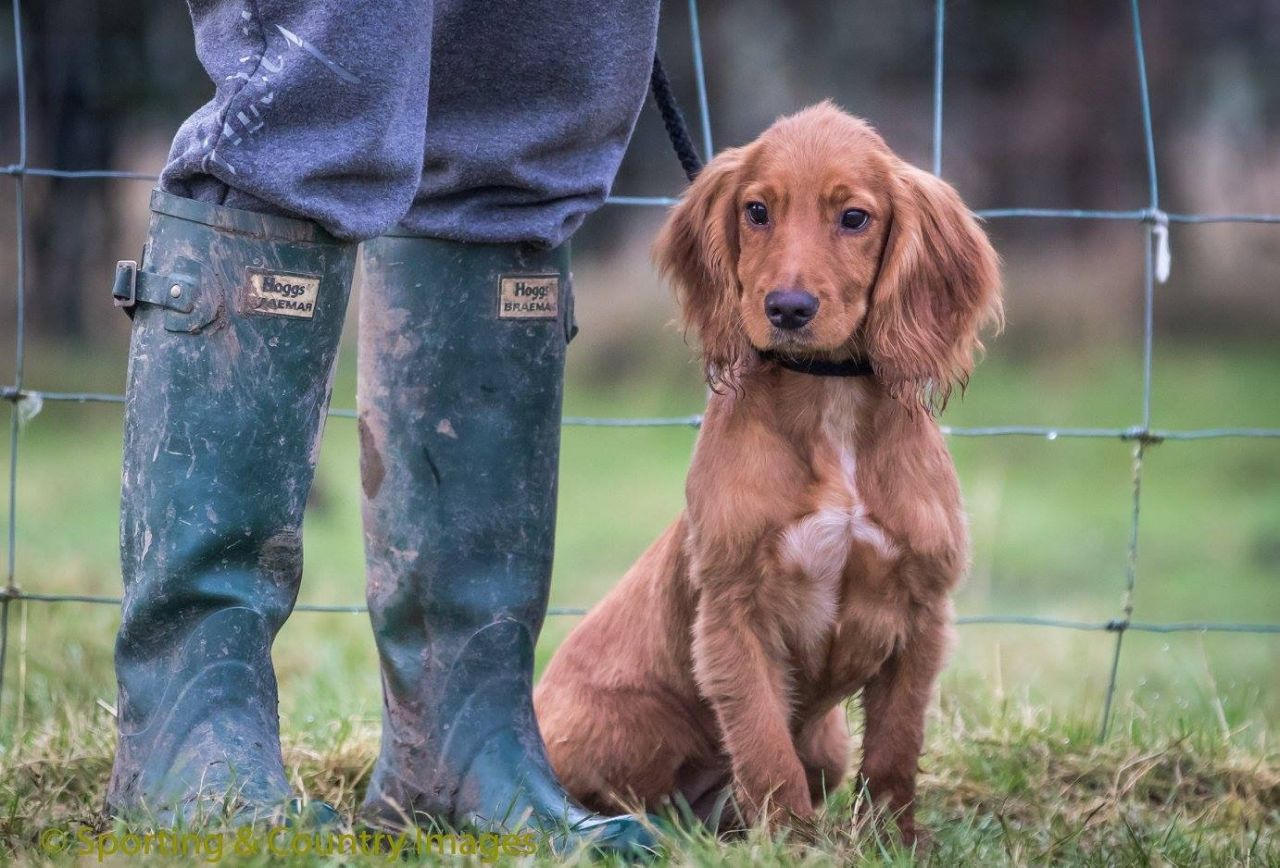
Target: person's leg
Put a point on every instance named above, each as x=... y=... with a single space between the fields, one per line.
x=318 y=113
x=464 y=321
x=237 y=315
x=532 y=105
x=236 y=319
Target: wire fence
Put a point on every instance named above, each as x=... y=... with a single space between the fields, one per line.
x=25 y=403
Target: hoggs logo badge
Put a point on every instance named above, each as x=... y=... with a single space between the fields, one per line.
x=283 y=294
x=535 y=296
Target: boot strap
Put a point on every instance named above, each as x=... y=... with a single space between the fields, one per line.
x=176 y=292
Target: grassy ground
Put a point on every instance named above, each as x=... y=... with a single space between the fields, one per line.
x=1003 y=783
x=1013 y=773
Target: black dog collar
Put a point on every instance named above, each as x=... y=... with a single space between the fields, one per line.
x=820 y=367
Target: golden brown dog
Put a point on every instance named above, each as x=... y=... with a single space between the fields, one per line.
x=824 y=529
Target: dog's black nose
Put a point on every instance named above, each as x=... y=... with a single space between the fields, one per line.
x=790 y=308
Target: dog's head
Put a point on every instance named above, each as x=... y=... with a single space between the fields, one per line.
x=817 y=241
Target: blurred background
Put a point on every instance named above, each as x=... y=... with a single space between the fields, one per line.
x=1041 y=110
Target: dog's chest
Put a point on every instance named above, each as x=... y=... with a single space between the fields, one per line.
x=839 y=559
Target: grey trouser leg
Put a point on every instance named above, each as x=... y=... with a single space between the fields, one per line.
x=321 y=109
x=531 y=108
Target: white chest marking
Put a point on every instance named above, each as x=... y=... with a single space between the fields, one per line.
x=819 y=544
x=818 y=547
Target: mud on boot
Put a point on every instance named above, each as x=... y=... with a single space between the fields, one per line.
x=462 y=350
x=236 y=321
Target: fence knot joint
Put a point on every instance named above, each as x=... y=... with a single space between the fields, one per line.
x=1155 y=216
x=1143 y=435
x=1159 y=222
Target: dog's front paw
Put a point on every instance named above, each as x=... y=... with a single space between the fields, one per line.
x=783 y=807
x=887 y=825
x=915 y=837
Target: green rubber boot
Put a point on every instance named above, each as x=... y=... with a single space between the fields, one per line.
x=462 y=351
x=236 y=320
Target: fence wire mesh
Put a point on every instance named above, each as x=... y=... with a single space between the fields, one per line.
x=24 y=402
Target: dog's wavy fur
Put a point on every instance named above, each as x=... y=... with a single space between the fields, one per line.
x=824 y=529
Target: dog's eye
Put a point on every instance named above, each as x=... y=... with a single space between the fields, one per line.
x=854 y=219
x=757 y=213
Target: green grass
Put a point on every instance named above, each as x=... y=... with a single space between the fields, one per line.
x=1003 y=783
x=1013 y=772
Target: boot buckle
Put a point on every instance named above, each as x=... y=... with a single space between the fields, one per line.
x=177 y=291
x=124 y=293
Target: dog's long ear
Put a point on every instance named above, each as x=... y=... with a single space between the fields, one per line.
x=697 y=250
x=939 y=284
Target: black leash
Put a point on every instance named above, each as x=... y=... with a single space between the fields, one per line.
x=673 y=120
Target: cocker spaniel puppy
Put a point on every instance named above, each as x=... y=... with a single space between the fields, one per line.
x=838 y=294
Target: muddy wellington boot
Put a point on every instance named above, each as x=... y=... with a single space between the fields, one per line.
x=236 y=320
x=462 y=350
